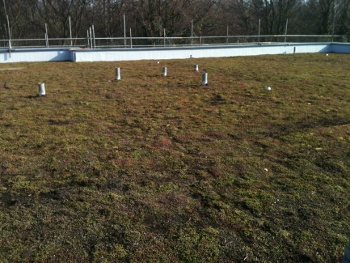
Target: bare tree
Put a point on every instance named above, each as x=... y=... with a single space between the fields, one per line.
x=3 y=22
x=106 y=15
x=149 y=18
x=238 y=16
x=152 y=16
x=274 y=13
x=56 y=13
x=342 y=17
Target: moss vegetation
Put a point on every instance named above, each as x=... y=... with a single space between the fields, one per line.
x=162 y=169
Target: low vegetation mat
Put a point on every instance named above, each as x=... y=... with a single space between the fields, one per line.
x=162 y=169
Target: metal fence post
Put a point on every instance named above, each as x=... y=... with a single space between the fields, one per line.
x=46 y=36
x=164 y=37
x=90 y=34
x=130 y=38
x=191 y=32
x=333 y=26
x=259 y=33
x=124 y=30
x=285 y=33
x=70 y=31
x=87 y=38
x=93 y=35
x=226 y=34
x=9 y=31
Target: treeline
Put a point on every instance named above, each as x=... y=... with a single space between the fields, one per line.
x=149 y=18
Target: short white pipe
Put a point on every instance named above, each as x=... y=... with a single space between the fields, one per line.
x=204 y=79
x=196 y=67
x=164 y=72
x=117 y=74
x=41 y=87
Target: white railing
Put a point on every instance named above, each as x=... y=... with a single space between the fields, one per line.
x=135 y=42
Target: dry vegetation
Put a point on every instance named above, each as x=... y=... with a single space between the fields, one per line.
x=161 y=169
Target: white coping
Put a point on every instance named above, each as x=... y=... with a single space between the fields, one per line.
x=160 y=53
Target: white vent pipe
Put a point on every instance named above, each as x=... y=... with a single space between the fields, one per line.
x=41 y=87
x=117 y=74
x=164 y=72
x=204 y=79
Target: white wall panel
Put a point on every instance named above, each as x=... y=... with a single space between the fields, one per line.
x=161 y=53
x=196 y=52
